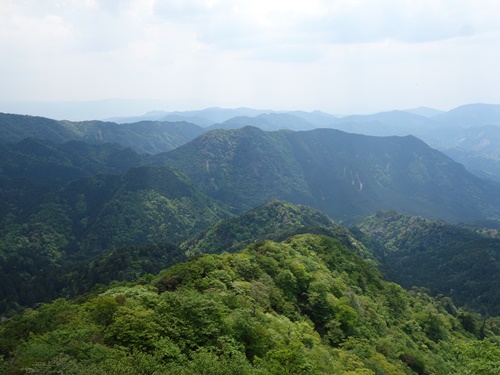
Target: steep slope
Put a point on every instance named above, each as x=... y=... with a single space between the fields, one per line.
x=446 y=259
x=47 y=229
x=243 y=168
x=274 y=220
x=43 y=161
x=308 y=305
x=342 y=174
x=143 y=137
x=467 y=133
x=147 y=204
x=15 y=128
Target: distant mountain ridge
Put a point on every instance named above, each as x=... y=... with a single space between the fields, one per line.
x=445 y=131
x=425 y=111
x=342 y=174
x=266 y=121
x=144 y=137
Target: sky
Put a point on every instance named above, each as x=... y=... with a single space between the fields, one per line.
x=337 y=56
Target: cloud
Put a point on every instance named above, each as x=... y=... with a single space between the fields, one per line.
x=240 y=51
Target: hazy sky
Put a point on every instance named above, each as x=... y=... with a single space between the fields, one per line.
x=339 y=56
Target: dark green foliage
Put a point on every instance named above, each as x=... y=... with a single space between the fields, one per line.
x=143 y=137
x=244 y=167
x=148 y=204
x=49 y=227
x=275 y=220
x=447 y=259
x=344 y=175
x=45 y=162
x=124 y=263
x=15 y=128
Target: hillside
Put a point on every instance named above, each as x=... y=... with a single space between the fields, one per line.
x=307 y=305
x=243 y=168
x=46 y=228
x=144 y=137
x=274 y=220
x=446 y=259
x=344 y=175
x=266 y=121
x=44 y=161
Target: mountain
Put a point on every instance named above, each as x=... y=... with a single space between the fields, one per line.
x=47 y=229
x=202 y=117
x=469 y=133
x=243 y=168
x=386 y=124
x=15 y=128
x=147 y=204
x=143 y=137
x=308 y=305
x=274 y=220
x=447 y=259
x=484 y=166
x=318 y=118
x=425 y=111
x=43 y=161
x=266 y=121
x=344 y=175
x=472 y=115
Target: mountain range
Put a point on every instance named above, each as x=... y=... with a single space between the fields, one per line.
x=468 y=134
x=345 y=175
x=182 y=249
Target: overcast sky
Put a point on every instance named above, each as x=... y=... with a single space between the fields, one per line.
x=339 y=56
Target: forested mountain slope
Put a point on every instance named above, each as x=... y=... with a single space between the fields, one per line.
x=46 y=162
x=46 y=227
x=144 y=137
x=307 y=305
x=344 y=175
x=274 y=220
x=446 y=259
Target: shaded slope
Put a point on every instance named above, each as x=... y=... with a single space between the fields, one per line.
x=243 y=168
x=143 y=137
x=43 y=161
x=147 y=204
x=274 y=220
x=46 y=230
x=342 y=174
x=444 y=258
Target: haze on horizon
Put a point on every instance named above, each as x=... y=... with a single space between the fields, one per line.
x=341 y=57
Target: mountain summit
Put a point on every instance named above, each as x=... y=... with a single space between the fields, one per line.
x=342 y=174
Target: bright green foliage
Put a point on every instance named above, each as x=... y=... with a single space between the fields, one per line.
x=308 y=305
x=478 y=357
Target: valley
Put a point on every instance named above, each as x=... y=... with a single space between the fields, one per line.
x=248 y=245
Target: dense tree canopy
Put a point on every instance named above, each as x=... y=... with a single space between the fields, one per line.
x=308 y=305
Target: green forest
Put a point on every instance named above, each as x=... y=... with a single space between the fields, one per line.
x=241 y=252
x=307 y=305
